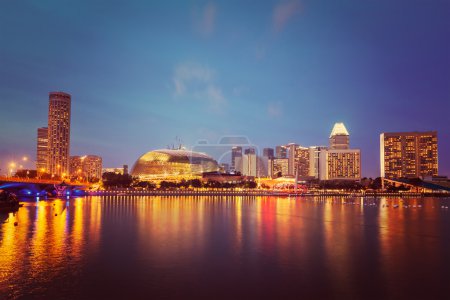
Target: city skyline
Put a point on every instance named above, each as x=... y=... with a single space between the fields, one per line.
x=205 y=70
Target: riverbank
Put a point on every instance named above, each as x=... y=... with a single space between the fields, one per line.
x=260 y=193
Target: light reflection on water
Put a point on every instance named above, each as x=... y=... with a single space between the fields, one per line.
x=225 y=247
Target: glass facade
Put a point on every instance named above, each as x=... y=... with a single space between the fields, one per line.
x=173 y=164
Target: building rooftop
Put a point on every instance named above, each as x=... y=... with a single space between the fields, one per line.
x=339 y=129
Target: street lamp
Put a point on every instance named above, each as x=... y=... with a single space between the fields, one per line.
x=12 y=165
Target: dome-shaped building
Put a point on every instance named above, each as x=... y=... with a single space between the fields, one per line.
x=173 y=164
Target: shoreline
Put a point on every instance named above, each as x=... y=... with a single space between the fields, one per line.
x=260 y=193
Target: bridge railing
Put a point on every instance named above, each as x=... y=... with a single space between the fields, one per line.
x=29 y=180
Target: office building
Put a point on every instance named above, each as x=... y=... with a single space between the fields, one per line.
x=58 y=133
x=87 y=167
x=343 y=164
x=298 y=160
x=278 y=167
x=268 y=152
x=42 y=148
x=236 y=159
x=280 y=152
x=339 y=137
x=317 y=162
x=409 y=154
x=249 y=162
x=338 y=161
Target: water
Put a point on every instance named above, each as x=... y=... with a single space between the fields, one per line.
x=226 y=248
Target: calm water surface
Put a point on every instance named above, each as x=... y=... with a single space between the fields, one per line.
x=226 y=248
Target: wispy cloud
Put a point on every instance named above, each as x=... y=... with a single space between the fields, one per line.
x=283 y=12
x=196 y=81
x=275 y=109
x=205 y=19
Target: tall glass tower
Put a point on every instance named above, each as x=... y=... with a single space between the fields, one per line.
x=58 y=133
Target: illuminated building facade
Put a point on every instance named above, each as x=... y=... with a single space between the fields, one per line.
x=42 y=148
x=341 y=161
x=339 y=137
x=298 y=160
x=87 y=166
x=173 y=164
x=58 y=133
x=343 y=164
x=337 y=161
x=409 y=154
x=113 y=170
x=278 y=167
x=280 y=152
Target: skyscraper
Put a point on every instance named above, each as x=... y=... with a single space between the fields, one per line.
x=339 y=137
x=58 y=133
x=278 y=167
x=339 y=161
x=408 y=154
x=236 y=159
x=280 y=152
x=249 y=162
x=41 y=150
x=298 y=160
x=268 y=152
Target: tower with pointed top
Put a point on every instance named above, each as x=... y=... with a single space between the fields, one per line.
x=339 y=137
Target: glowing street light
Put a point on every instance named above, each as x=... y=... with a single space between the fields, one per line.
x=12 y=166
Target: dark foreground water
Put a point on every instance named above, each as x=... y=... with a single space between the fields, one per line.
x=226 y=248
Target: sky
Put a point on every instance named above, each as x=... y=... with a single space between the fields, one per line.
x=145 y=73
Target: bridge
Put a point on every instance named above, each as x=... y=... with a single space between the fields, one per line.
x=35 y=187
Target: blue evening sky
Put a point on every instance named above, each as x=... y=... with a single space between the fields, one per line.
x=144 y=72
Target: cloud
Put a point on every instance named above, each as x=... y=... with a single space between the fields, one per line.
x=275 y=109
x=187 y=73
x=283 y=12
x=205 y=19
x=196 y=81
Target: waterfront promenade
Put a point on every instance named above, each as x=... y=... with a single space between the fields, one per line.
x=224 y=192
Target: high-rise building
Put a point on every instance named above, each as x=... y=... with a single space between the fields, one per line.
x=236 y=159
x=409 y=154
x=291 y=156
x=249 y=162
x=75 y=166
x=263 y=162
x=42 y=148
x=58 y=133
x=281 y=152
x=343 y=164
x=88 y=166
x=268 y=152
x=315 y=162
x=278 y=167
x=339 y=161
x=339 y=137
x=298 y=160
